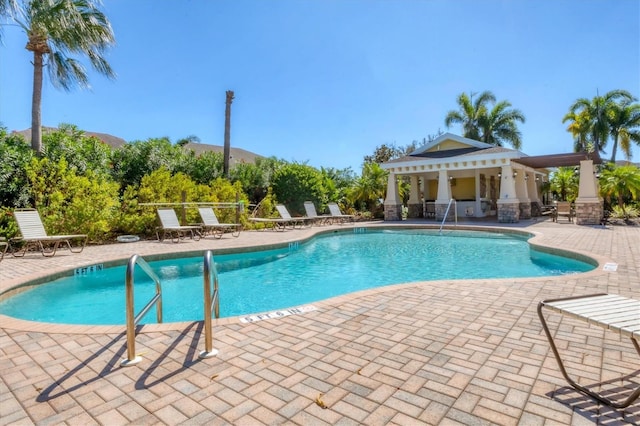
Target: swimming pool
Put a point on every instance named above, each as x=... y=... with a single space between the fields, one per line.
x=327 y=265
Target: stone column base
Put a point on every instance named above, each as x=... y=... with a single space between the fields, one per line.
x=414 y=210
x=588 y=212
x=393 y=212
x=525 y=210
x=441 y=209
x=509 y=212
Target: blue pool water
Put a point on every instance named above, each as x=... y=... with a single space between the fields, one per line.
x=326 y=266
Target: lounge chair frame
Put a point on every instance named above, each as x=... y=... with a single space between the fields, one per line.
x=612 y=312
x=298 y=222
x=210 y=224
x=4 y=245
x=336 y=214
x=33 y=234
x=563 y=208
x=170 y=226
x=313 y=215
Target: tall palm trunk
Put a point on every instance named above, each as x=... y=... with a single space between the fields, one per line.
x=36 y=102
x=227 y=133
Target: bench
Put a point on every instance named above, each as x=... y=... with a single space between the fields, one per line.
x=611 y=312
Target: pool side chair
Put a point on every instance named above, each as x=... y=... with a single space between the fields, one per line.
x=563 y=208
x=275 y=223
x=170 y=226
x=33 y=234
x=211 y=224
x=615 y=314
x=336 y=214
x=299 y=221
x=4 y=245
x=310 y=208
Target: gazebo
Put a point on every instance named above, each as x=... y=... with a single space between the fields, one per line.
x=484 y=180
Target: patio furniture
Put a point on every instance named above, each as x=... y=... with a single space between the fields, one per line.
x=336 y=213
x=211 y=224
x=169 y=225
x=611 y=312
x=563 y=208
x=310 y=208
x=4 y=245
x=295 y=221
x=33 y=234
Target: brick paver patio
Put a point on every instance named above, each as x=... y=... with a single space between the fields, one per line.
x=444 y=352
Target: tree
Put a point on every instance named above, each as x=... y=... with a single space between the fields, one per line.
x=293 y=184
x=564 y=182
x=55 y=30
x=624 y=127
x=595 y=116
x=499 y=125
x=227 y=132
x=470 y=113
x=579 y=129
x=370 y=188
x=620 y=183
x=494 y=126
x=139 y=158
x=14 y=183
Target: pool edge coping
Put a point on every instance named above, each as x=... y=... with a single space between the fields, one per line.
x=533 y=240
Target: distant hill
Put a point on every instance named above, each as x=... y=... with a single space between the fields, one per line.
x=112 y=141
x=237 y=155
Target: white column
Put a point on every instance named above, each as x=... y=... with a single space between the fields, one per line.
x=532 y=188
x=414 y=191
x=521 y=186
x=392 y=190
x=588 y=190
x=507 y=184
x=444 y=189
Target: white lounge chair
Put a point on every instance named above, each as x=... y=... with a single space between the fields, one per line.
x=613 y=313
x=33 y=234
x=211 y=224
x=336 y=213
x=295 y=221
x=310 y=208
x=169 y=225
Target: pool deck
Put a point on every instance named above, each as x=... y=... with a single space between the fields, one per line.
x=468 y=352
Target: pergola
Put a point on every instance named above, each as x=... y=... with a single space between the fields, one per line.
x=485 y=181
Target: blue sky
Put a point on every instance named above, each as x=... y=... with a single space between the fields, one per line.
x=326 y=81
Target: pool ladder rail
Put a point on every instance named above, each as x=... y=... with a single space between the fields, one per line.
x=211 y=305
x=446 y=213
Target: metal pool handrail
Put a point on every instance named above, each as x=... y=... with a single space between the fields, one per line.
x=132 y=319
x=211 y=303
x=446 y=213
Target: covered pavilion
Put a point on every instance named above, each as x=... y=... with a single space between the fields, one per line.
x=485 y=181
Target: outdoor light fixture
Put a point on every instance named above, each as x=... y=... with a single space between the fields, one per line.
x=515 y=174
x=537 y=178
x=499 y=174
x=450 y=177
x=526 y=177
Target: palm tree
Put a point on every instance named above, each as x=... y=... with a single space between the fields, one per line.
x=370 y=187
x=470 y=113
x=624 y=127
x=55 y=30
x=227 y=132
x=564 y=182
x=499 y=125
x=493 y=126
x=597 y=112
x=620 y=182
x=579 y=128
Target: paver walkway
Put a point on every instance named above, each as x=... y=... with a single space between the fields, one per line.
x=445 y=352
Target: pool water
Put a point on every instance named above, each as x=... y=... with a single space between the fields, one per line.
x=260 y=281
